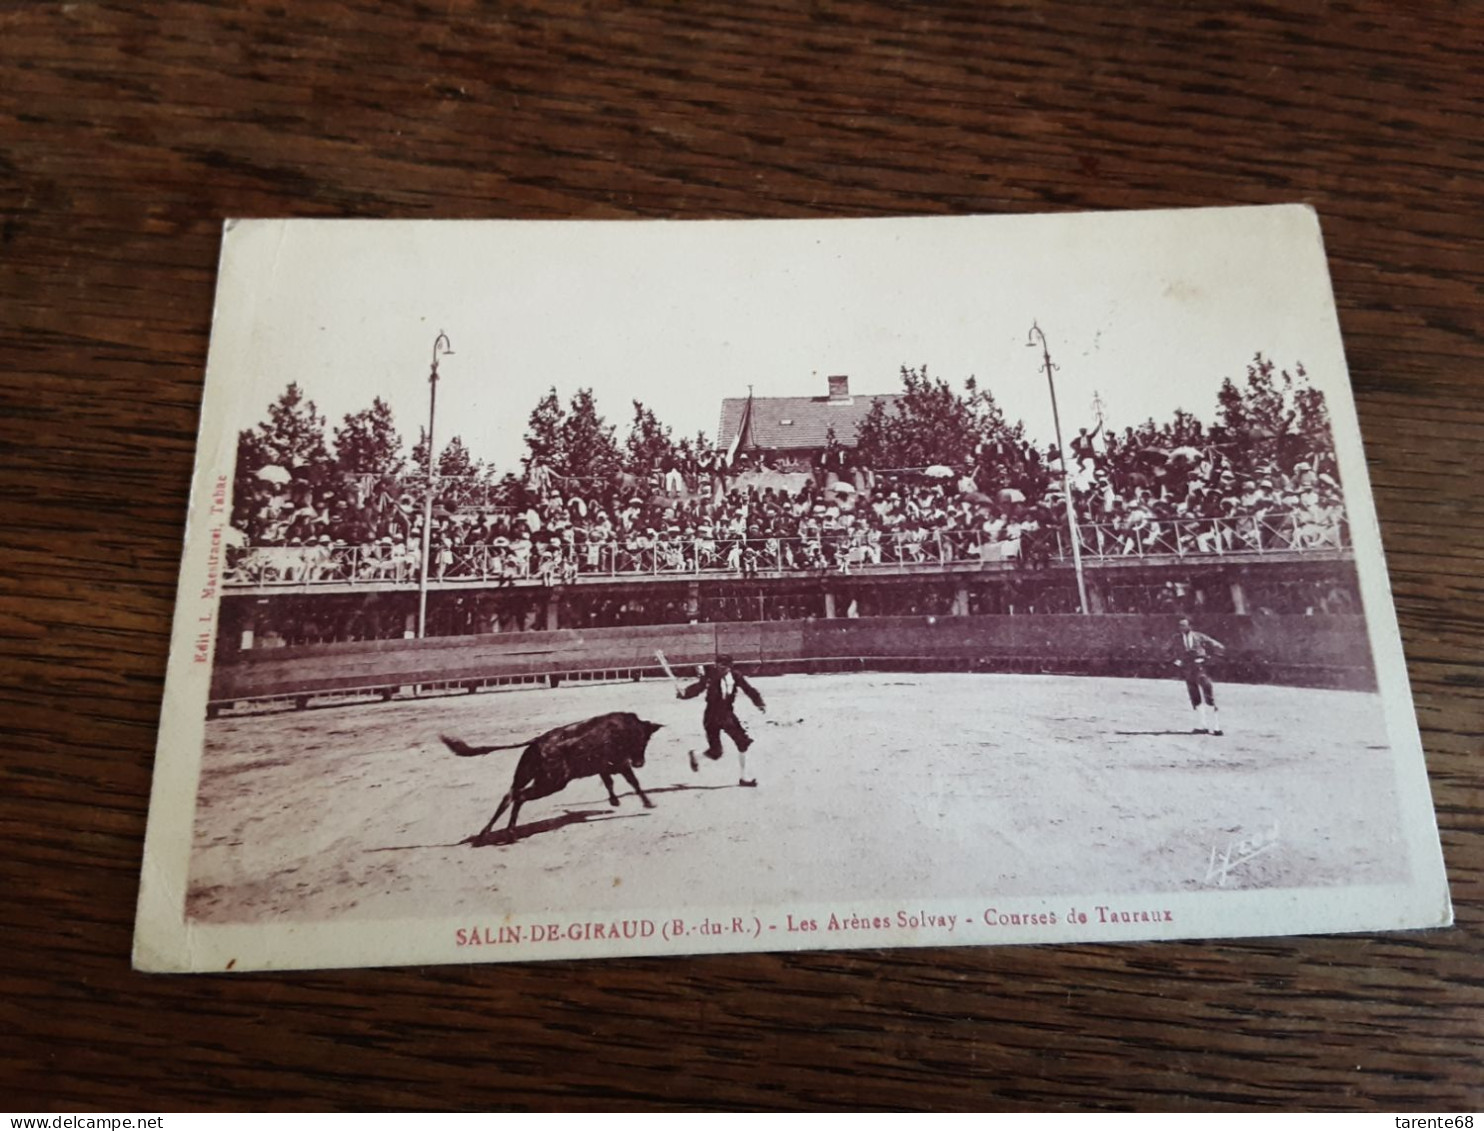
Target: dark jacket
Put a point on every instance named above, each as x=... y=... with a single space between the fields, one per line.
x=711 y=683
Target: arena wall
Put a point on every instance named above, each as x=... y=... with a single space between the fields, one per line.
x=1328 y=651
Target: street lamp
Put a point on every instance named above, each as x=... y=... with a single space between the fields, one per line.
x=1066 y=475
x=442 y=347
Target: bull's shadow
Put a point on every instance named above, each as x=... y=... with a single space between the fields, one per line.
x=521 y=832
x=551 y=824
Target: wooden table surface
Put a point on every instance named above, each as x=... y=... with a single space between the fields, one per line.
x=127 y=136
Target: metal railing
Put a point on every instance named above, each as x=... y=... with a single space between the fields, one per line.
x=1243 y=534
x=831 y=551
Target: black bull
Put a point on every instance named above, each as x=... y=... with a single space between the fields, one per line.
x=606 y=745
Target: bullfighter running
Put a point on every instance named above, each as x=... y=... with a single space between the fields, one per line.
x=721 y=684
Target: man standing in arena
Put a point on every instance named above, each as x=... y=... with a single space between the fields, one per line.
x=721 y=684
x=1191 y=650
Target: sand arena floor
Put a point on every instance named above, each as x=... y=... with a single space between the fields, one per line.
x=872 y=786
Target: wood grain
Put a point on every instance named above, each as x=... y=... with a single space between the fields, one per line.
x=128 y=132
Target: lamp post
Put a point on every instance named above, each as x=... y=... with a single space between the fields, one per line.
x=1066 y=476
x=441 y=347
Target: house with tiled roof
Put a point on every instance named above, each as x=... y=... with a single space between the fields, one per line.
x=796 y=427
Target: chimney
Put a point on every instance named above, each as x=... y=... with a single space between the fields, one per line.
x=839 y=388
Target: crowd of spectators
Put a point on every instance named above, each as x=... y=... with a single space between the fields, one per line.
x=1133 y=494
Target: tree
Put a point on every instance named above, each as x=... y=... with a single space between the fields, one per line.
x=1274 y=411
x=293 y=436
x=1231 y=409
x=649 y=445
x=1269 y=399
x=588 y=449
x=1313 y=413
x=247 y=489
x=572 y=442
x=990 y=425
x=930 y=423
x=453 y=460
x=543 y=430
x=368 y=442
x=252 y=453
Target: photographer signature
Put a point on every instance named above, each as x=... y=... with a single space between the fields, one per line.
x=1237 y=854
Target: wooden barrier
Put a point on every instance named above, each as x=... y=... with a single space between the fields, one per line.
x=1317 y=651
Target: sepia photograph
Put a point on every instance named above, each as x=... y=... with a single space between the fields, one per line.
x=565 y=590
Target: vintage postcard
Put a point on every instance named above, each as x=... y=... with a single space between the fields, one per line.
x=560 y=590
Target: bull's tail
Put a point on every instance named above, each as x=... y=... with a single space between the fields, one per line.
x=464 y=750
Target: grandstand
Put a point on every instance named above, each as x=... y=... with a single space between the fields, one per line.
x=325 y=566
